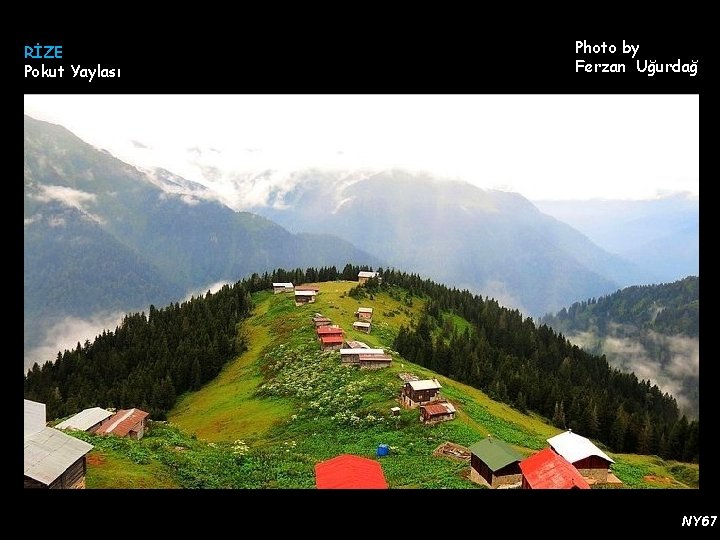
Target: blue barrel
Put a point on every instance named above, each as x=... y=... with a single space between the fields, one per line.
x=383 y=450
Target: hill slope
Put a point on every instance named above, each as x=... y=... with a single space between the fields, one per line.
x=652 y=330
x=102 y=231
x=282 y=406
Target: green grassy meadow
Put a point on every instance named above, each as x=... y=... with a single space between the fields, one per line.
x=283 y=405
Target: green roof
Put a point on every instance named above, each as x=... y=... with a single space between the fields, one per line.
x=495 y=453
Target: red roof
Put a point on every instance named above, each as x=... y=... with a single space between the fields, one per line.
x=548 y=470
x=434 y=409
x=329 y=330
x=122 y=422
x=349 y=472
x=326 y=340
x=306 y=288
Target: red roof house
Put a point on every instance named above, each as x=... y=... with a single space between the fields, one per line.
x=329 y=330
x=349 y=472
x=331 y=337
x=125 y=423
x=548 y=470
x=332 y=342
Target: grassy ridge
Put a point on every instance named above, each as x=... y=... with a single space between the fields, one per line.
x=282 y=406
x=226 y=408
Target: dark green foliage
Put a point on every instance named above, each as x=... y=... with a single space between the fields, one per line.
x=532 y=367
x=147 y=360
x=668 y=308
x=650 y=325
x=152 y=358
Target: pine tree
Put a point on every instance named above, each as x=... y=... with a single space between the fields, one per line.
x=645 y=437
x=678 y=436
x=619 y=430
x=559 y=416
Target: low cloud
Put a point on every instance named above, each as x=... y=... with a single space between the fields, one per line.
x=212 y=287
x=678 y=367
x=66 y=334
x=138 y=144
x=498 y=290
x=67 y=196
x=32 y=219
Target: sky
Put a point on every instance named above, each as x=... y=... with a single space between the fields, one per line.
x=544 y=147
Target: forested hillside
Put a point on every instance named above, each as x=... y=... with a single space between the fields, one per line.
x=151 y=359
x=536 y=369
x=668 y=308
x=653 y=330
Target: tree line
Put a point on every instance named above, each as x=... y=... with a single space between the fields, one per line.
x=667 y=308
x=149 y=359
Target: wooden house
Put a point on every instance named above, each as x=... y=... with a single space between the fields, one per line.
x=548 y=470
x=363 y=276
x=86 y=420
x=374 y=361
x=587 y=458
x=304 y=297
x=329 y=330
x=352 y=356
x=125 y=423
x=364 y=313
x=494 y=463
x=319 y=320
x=355 y=344
x=349 y=472
x=362 y=326
x=331 y=342
x=331 y=337
x=437 y=411
x=52 y=459
x=282 y=287
x=308 y=288
x=416 y=393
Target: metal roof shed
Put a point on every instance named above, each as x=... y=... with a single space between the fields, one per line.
x=85 y=419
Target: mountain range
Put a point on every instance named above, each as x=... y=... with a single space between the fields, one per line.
x=661 y=236
x=103 y=236
x=491 y=242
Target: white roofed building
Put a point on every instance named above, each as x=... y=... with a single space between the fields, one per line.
x=86 y=420
x=52 y=459
x=364 y=275
x=582 y=453
x=416 y=393
x=304 y=297
x=352 y=356
x=362 y=326
x=282 y=287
